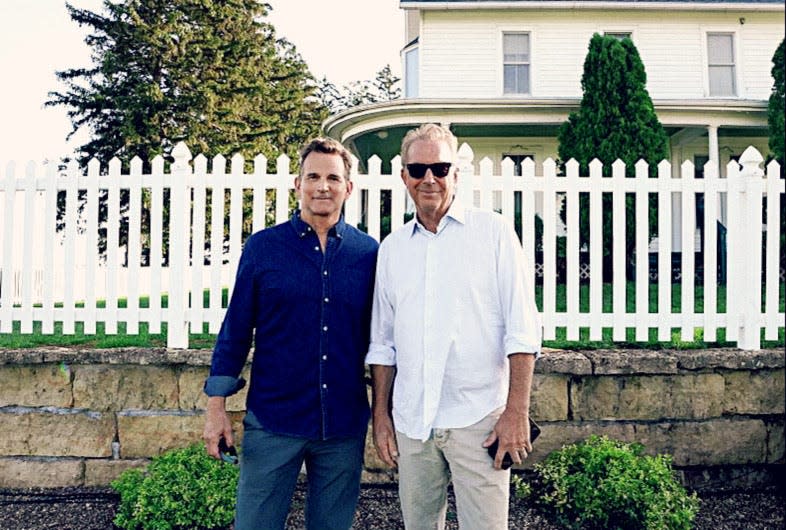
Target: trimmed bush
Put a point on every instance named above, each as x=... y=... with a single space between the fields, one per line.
x=180 y=489
x=603 y=484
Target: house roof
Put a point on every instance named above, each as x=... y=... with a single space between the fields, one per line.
x=408 y=3
x=584 y=4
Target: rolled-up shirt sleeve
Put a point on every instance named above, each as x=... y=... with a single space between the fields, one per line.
x=382 y=348
x=523 y=329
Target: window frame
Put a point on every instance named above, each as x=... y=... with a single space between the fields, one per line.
x=527 y=63
x=735 y=69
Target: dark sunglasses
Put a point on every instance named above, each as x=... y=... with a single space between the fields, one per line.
x=439 y=169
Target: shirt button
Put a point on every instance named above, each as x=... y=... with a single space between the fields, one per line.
x=324 y=328
x=324 y=386
x=316 y=248
x=327 y=299
x=324 y=273
x=324 y=357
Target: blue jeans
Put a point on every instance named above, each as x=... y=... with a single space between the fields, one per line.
x=269 y=467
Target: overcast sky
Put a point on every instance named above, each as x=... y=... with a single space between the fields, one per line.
x=350 y=41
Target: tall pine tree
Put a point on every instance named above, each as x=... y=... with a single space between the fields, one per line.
x=616 y=120
x=212 y=74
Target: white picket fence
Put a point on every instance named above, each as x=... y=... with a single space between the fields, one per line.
x=59 y=276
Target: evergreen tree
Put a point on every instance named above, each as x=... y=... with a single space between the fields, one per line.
x=616 y=120
x=384 y=87
x=777 y=108
x=212 y=74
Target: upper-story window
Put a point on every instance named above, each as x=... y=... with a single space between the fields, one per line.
x=516 y=63
x=411 y=70
x=720 y=64
x=619 y=35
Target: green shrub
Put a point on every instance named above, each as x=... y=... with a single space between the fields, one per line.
x=180 y=489
x=608 y=484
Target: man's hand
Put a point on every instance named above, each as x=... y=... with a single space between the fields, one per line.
x=385 y=440
x=512 y=430
x=217 y=424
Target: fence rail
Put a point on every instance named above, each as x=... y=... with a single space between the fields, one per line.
x=174 y=237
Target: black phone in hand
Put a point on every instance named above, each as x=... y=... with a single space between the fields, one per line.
x=507 y=460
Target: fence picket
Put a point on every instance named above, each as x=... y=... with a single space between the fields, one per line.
x=26 y=312
x=711 y=197
x=156 y=243
x=641 y=253
x=572 y=250
x=774 y=231
x=549 y=249
x=619 y=251
x=664 y=250
x=596 y=252
x=48 y=265
x=179 y=208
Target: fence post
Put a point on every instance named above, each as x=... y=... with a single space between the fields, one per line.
x=743 y=308
x=179 y=235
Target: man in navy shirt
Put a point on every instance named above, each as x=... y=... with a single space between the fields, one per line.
x=303 y=292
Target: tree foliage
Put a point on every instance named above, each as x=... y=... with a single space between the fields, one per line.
x=777 y=107
x=212 y=74
x=616 y=120
x=384 y=87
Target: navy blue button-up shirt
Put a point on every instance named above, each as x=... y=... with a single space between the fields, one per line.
x=308 y=313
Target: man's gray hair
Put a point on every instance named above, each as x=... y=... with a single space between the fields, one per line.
x=429 y=131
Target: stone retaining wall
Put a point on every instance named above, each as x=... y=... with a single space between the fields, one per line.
x=72 y=417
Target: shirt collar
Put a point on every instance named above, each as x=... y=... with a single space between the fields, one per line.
x=303 y=229
x=455 y=212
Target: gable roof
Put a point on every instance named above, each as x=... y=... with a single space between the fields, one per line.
x=578 y=4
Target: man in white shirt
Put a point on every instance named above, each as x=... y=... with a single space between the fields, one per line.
x=454 y=323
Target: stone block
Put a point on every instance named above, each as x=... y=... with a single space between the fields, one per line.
x=106 y=387
x=192 y=380
x=144 y=435
x=40 y=473
x=563 y=362
x=622 y=362
x=758 y=392
x=55 y=432
x=101 y=472
x=549 y=398
x=654 y=397
x=707 y=443
x=775 y=440
x=36 y=385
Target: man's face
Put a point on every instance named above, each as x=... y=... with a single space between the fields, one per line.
x=432 y=194
x=322 y=186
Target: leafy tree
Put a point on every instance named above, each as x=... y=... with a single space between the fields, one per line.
x=384 y=87
x=777 y=107
x=616 y=120
x=212 y=74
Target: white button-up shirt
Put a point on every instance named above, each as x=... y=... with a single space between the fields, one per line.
x=448 y=310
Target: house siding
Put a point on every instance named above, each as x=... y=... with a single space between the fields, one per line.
x=461 y=53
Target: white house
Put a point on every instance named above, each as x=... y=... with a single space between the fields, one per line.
x=504 y=74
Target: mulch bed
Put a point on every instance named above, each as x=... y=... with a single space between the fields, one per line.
x=94 y=509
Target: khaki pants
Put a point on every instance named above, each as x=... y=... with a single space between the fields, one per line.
x=425 y=468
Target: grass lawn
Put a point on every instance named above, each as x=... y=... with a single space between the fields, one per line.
x=145 y=339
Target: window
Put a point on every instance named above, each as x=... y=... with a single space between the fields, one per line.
x=720 y=64
x=619 y=35
x=411 y=67
x=515 y=63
